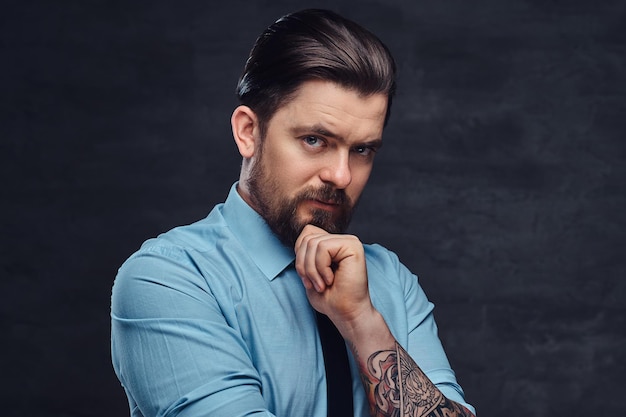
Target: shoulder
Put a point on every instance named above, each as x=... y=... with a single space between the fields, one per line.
x=386 y=269
x=384 y=265
x=180 y=242
x=379 y=257
x=184 y=260
x=191 y=250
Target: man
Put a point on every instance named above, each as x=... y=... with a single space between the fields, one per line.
x=218 y=318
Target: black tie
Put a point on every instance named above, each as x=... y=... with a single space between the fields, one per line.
x=338 y=378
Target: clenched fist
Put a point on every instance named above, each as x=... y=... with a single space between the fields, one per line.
x=333 y=270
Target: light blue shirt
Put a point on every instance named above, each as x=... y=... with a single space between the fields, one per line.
x=211 y=319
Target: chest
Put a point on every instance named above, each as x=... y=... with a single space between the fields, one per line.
x=277 y=326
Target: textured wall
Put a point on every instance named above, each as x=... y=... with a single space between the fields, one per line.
x=501 y=184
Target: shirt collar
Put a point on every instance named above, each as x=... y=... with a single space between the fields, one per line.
x=254 y=234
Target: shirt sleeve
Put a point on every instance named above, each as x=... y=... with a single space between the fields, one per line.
x=422 y=341
x=172 y=348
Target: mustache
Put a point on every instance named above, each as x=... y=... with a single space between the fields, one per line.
x=327 y=194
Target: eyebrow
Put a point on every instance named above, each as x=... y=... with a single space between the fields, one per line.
x=321 y=130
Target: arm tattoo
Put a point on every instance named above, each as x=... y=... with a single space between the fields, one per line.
x=396 y=387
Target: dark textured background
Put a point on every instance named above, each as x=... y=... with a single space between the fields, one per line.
x=501 y=184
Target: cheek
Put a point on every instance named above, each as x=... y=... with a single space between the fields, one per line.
x=290 y=170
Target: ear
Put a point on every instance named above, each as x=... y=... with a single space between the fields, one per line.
x=244 y=123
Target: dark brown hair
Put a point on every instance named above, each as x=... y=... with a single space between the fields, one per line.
x=313 y=44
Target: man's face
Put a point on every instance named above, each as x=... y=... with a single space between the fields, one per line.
x=315 y=159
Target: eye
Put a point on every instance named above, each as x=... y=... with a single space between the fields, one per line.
x=313 y=141
x=365 y=150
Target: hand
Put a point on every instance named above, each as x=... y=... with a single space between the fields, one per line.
x=333 y=270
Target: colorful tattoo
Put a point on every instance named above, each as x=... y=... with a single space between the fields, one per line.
x=397 y=387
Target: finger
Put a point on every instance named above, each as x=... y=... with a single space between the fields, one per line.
x=308 y=230
x=305 y=266
x=324 y=259
x=305 y=247
x=308 y=285
x=321 y=259
x=313 y=259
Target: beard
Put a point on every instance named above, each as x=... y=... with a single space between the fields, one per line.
x=281 y=212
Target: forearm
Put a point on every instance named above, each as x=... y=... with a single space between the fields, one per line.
x=334 y=272
x=394 y=384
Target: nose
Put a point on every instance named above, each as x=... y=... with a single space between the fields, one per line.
x=337 y=171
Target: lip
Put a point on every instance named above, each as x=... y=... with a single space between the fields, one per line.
x=324 y=205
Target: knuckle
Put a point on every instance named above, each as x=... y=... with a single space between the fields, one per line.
x=355 y=239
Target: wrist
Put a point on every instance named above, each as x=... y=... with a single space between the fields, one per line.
x=367 y=331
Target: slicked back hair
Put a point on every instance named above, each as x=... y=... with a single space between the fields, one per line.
x=313 y=44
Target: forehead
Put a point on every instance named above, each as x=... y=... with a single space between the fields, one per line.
x=342 y=111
